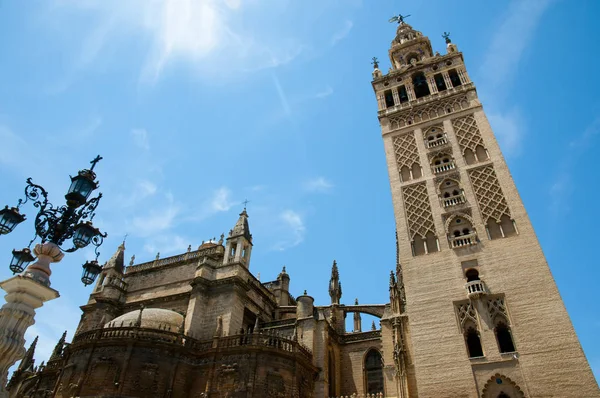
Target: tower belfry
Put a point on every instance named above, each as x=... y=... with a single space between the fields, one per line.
x=482 y=316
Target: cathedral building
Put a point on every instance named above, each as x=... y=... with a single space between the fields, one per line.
x=473 y=309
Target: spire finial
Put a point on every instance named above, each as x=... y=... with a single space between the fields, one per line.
x=398 y=18
x=356 y=301
x=132 y=260
x=375 y=63
x=245 y=202
x=96 y=160
x=373 y=327
x=446 y=37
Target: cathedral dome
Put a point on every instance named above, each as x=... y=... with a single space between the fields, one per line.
x=154 y=318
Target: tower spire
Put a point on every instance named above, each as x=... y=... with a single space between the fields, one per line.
x=239 y=242
x=28 y=361
x=58 y=349
x=335 y=286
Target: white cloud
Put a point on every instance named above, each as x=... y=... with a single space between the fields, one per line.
x=342 y=33
x=156 y=220
x=293 y=230
x=319 y=184
x=221 y=200
x=511 y=39
x=213 y=36
x=282 y=97
x=508 y=130
x=166 y=244
x=140 y=137
x=325 y=93
x=500 y=64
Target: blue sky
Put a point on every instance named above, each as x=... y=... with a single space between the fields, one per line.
x=198 y=105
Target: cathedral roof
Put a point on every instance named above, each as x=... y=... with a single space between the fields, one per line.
x=153 y=318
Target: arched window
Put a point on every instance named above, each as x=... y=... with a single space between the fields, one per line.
x=473 y=343
x=503 y=395
x=472 y=275
x=504 y=337
x=373 y=372
x=420 y=85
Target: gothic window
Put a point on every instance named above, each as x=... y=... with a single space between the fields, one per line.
x=442 y=163
x=439 y=82
x=469 y=156
x=434 y=137
x=454 y=78
x=373 y=372
x=504 y=337
x=402 y=94
x=389 y=98
x=420 y=85
x=460 y=231
x=451 y=193
x=500 y=228
x=473 y=343
x=424 y=245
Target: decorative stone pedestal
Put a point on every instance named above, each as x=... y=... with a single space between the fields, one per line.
x=24 y=293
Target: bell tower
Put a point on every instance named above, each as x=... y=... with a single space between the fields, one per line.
x=482 y=314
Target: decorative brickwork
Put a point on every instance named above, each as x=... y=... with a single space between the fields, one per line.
x=405 y=149
x=467 y=133
x=466 y=312
x=418 y=210
x=429 y=111
x=490 y=198
x=497 y=307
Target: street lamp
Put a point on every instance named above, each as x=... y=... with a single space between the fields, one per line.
x=56 y=225
x=61 y=229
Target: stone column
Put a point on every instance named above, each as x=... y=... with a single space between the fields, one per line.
x=24 y=294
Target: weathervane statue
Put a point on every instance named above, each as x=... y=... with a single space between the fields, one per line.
x=398 y=18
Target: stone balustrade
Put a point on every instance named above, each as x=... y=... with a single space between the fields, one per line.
x=463 y=240
x=475 y=288
x=355 y=395
x=268 y=339
x=437 y=142
x=453 y=200
x=441 y=168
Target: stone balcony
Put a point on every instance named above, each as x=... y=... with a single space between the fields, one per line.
x=463 y=240
x=475 y=289
x=453 y=200
x=444 y=167
x=438 y=142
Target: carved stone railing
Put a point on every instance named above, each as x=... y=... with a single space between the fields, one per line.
x=441 y=168
x=437 y=142
x=463 y=240
x=268 y=340
x=453 y=200
x=213 y=250
x=475 y=289
x=355 y=395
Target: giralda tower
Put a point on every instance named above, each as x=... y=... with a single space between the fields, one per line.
x=480 y=313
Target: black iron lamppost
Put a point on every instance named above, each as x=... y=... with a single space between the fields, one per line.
x=56 y=226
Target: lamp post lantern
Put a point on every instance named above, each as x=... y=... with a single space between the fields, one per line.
x=61 y=229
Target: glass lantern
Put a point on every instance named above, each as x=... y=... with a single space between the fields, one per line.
x=21 y=258
x=81 y=187
x=84 y=233
x=9 y=219
x=91 y=269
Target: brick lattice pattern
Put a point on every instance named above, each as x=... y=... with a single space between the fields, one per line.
x=405 y=148
x=418 y=210
x=490 y=198
x=467 y=133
